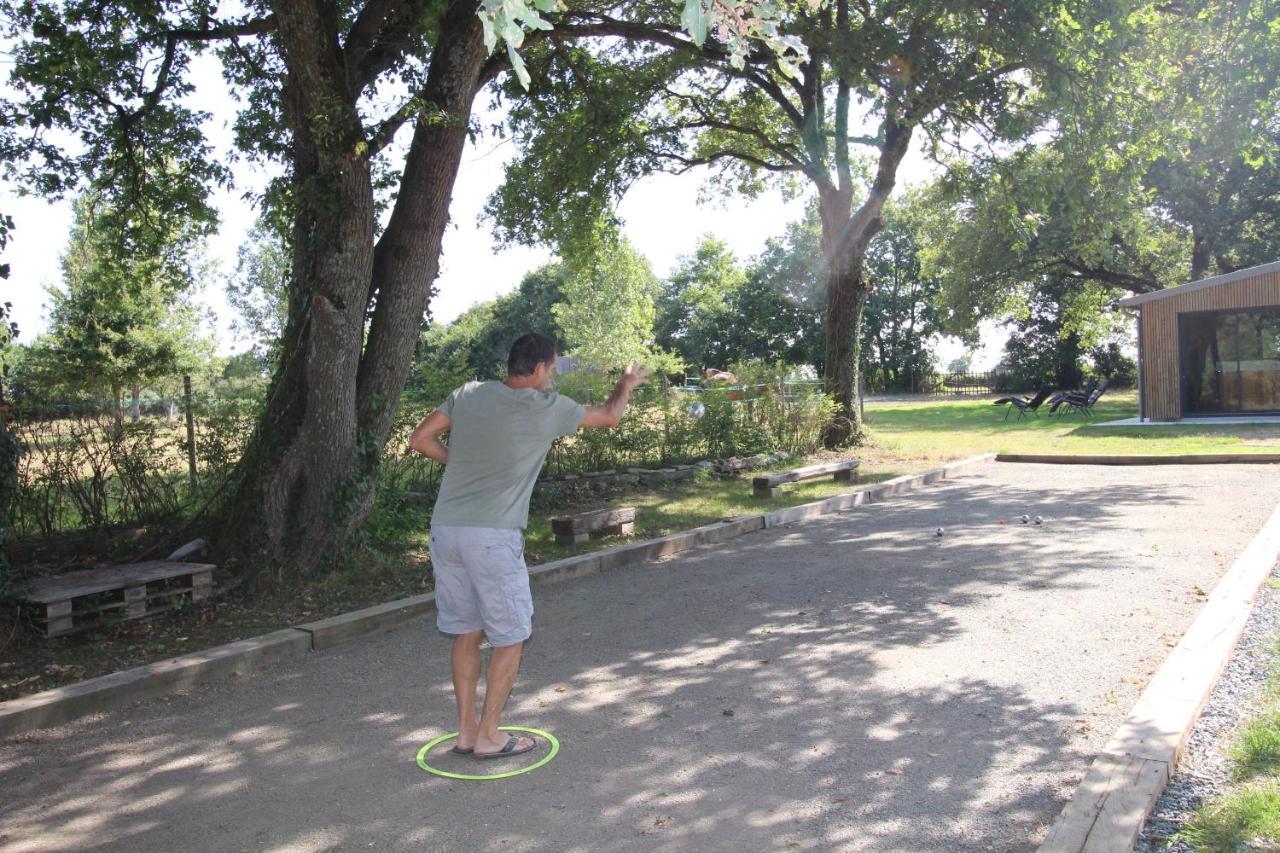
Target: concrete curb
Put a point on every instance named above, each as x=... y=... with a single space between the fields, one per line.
x=1185 y=459
x=111 y=691
x=108 y=692
x=1109 y=807
x=367 y=622
x=879 y=491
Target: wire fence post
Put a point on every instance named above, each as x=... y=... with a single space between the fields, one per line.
x=191 y=432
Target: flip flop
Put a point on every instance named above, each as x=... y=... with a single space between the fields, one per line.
x=509 y=749
x=457 y=750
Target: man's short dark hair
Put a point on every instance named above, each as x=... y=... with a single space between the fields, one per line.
x=528 y=352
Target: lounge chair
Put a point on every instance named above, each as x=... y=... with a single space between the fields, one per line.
x=1059 y=399
x=1084 y=405
x=1024 y=405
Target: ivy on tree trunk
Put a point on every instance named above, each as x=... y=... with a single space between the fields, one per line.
x=308 y=479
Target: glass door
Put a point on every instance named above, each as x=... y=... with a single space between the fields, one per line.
x=1231 y=362
x=1258 y=370
x=1202 y=376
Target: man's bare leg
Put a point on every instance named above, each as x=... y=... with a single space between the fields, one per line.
x=466 y=677
x=504 y=663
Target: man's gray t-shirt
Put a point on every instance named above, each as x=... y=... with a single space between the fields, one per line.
x=497 y=442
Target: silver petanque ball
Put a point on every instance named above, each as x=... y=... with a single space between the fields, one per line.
x=939 y=532
x=697 y=410
x=1025 y=519
x=1039 y=520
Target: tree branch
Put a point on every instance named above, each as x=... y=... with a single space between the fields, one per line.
x=688 y=163
x=1136 y=283
x=367 y=27
x=383 y=134
x=218 y=32
x=709 y=55
x=750 y=132
x=389 y=45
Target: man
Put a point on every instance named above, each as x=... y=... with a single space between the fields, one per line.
x=499 y=435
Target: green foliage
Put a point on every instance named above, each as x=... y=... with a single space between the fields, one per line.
x=113 y=79
x=1110 y=362
x=1160 y=169
x=904 y=312
x=476 y=344
x=257 y=290
x=1245 y=819
x=94 y=473
x=601 y=115
x=998 y=232
x=695 y=296
x=715 y=313
x=1216 y=171
x=119 y=319
x=1042 y=350
x=583 y=140
x=658 y=428
x=1256 y=747
x=607 y=308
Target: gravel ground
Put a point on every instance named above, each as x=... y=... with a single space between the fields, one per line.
x=852 y=683
x=1204 y=770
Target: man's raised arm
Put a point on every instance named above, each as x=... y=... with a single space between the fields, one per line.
x=610 y=414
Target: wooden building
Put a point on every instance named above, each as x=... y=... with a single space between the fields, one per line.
x=1211 y=347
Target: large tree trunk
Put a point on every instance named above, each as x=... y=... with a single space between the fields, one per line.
x=1202 y=250
x=846 y=234
x=8 y=490
x=847 y=292
x=307 y=479
x=1067 y=372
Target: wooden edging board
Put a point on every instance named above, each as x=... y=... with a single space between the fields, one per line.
x=1184 y=459
x=96 y=695
x=1111 y=804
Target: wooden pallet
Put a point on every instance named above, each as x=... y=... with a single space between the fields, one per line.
x=78 y=600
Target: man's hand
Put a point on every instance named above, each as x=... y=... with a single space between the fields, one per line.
x=635 y=375
x=610 y=414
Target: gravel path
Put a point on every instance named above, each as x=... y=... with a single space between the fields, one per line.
x=1204 y=770
x=850 y=683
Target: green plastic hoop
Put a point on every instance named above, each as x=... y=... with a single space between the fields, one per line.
x=467 y=777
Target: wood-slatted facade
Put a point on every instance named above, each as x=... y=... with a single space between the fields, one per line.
x=1161 y=381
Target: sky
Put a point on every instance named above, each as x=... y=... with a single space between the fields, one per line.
x=661 y=214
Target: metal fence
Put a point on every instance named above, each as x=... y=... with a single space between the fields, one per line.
x=964 y=384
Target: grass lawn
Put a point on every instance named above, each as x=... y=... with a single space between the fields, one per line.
x=947 y=429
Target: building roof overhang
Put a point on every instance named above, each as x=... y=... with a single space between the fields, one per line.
x=1204 y=283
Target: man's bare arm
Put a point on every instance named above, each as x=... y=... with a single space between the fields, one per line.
x=426 y=437
x=610 y=414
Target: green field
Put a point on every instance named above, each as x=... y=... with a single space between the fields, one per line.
x=951 y=429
